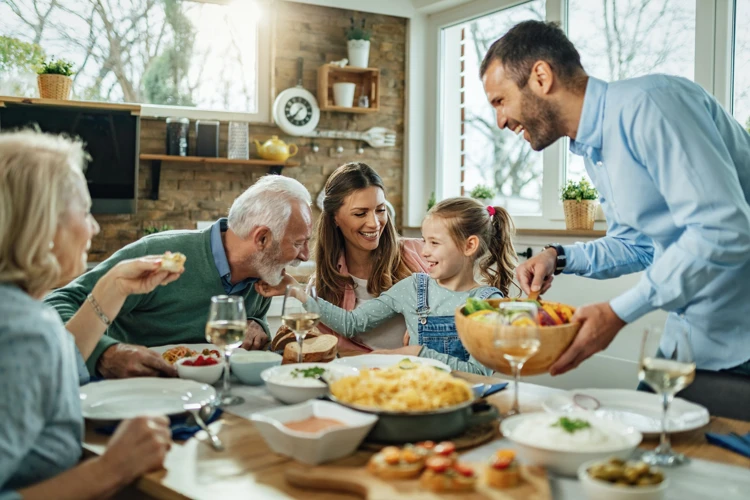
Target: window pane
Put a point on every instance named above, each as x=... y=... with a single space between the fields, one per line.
x=742 y=63
x=171 y=53
x=494 y=157
x=629 y=38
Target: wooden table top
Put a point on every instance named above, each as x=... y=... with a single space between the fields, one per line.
x=249 y=469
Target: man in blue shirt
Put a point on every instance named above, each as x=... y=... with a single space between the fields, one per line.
x=673 y=171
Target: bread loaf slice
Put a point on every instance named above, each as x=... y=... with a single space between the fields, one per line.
x=319 y=349
x=284 y=336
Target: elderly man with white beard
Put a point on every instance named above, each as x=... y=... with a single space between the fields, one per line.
x=268 y=229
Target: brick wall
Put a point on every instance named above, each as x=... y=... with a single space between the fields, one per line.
x=192 y=192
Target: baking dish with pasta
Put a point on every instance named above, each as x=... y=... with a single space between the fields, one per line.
x=415 y=404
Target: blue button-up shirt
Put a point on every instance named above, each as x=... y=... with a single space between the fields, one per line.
x=673 y=171
x=222 y=264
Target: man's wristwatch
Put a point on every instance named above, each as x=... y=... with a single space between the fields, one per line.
x=562 y=261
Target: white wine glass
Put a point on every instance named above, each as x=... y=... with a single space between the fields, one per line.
x=666 y=377
x=225 y=328
x=300 y=317
x=517 y=344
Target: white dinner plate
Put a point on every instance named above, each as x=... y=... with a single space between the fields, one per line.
x=385 y=360
x=147 y=396
x=640 y=410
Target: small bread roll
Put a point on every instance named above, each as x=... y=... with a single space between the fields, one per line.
x=172 y=262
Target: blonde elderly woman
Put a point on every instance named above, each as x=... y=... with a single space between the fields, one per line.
x=45 y=232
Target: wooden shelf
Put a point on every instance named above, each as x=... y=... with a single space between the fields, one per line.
x=134 y=109
x=367 y=81
x=275 y=167
x=208 y=159
x=354 y=109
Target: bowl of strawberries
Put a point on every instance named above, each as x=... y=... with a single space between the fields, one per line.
x=205 y=368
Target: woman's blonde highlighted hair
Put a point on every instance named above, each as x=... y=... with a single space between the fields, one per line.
x=38 y=176
x=493 y=226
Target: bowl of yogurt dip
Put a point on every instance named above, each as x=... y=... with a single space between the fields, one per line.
x=561 y=442
x=299 y=382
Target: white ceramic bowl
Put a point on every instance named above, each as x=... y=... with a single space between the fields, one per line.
x=596 y=489
x=209 y=374
x=248 y=365
x=565 y=461
x=283 y=387
x=313 y=448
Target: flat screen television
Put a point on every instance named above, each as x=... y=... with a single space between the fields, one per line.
x=112 y=138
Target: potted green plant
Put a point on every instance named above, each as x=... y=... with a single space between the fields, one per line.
x=53 y=78
x=358 y=44
x=580 y=201
x=483 y=193
x=154 y=229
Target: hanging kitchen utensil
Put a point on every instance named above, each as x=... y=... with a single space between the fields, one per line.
x=376 y=137
x=296 y=110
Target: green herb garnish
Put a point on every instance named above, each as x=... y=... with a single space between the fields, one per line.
x=313 y=372
x=571 y=426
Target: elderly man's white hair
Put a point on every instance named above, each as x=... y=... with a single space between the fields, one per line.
x=269 y=203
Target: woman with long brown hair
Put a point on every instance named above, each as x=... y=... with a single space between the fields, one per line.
x=359 y=254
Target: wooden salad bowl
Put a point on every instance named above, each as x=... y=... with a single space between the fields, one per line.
x=478 y=338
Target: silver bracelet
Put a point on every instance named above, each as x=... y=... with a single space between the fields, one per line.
x=98 y=310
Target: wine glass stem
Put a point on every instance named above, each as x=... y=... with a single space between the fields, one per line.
x=299 y=354
x=225 y=392
x=517 y=378
x=664 y=444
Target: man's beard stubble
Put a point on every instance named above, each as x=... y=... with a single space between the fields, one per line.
x=268 y=267
x=541 y=119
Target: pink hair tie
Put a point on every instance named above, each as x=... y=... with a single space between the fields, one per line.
x=491 y=210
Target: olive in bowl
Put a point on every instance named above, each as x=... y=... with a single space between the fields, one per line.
x=617 y=479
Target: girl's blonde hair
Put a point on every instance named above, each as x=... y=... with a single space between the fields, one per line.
x=388 y=266
x=38 y=176
x=466 y=217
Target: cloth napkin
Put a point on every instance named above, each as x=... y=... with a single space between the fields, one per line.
x=179 y=424
x=732 y=443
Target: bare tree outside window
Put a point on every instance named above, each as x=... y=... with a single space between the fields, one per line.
x=162 y=52
x=620 y=39
x=741 y=107
x=493 y=157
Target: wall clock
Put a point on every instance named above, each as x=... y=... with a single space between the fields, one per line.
x=296 y=110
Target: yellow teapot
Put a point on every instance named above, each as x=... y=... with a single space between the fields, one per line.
x=275 y=149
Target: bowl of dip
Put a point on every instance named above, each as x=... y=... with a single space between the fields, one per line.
x=299 y=382
x=313 y=432
x=248 y=365
x=561 y=442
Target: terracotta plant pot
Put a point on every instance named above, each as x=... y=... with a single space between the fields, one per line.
x=479 y=339
x=54 y=86
x=580 y=214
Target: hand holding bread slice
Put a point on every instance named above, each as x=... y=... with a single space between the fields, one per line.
x=172 y=262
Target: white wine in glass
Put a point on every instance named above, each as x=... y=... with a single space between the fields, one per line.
x=225 y=328
x=300 y=317
x=517 y=344
x=666 y=377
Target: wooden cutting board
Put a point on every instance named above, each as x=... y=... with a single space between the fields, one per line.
x=357 y=480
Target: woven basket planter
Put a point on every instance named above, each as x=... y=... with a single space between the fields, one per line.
x=54 y=86
x=580 y=214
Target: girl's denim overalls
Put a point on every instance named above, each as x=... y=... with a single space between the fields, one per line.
x=439 y=332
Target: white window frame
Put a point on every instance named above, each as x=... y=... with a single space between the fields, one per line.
x=264 y=72
x=713 y=70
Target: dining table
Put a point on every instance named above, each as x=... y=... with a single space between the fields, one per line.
x=247 y=468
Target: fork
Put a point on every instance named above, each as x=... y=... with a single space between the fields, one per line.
x=376 y=137
x=196 y=410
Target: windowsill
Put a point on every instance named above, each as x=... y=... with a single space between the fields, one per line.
x=583 y=233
